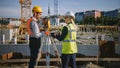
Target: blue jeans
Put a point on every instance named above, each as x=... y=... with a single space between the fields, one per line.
x=34 y=46
x=68 y=58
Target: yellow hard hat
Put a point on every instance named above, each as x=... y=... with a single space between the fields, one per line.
x=37 y=9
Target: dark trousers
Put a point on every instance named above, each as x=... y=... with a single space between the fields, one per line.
x=68 y=58
x=34 y=46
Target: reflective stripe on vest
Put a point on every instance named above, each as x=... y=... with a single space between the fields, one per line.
x=70 y=40
x=28 y=26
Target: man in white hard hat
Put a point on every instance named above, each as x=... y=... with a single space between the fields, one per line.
x=68 y=38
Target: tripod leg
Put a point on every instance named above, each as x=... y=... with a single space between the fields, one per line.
x=56 y=51
x=40 y=51
x=48 y=43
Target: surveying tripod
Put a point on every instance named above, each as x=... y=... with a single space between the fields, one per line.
x=48 y=41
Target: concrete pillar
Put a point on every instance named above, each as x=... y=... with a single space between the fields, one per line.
x=87 y=29
x=96 y=30
x=97 y=40
x=103 y=37
x=15 y=40
x=27 y=39
x=3 y=39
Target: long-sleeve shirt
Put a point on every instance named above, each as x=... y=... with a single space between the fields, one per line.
x=34 y=26
x=61 y=37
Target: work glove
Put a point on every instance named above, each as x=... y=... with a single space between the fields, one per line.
x=47 y=33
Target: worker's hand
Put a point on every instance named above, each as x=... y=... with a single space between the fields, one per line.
x=42 y=33
x=53 y=35
x=58 y=33
x=47 y=33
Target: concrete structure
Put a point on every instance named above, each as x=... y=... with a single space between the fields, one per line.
x=55 y=20
x=93 y=13
x=7 y=34
x=15 y=23
x=98 y=29
x=10 y=21
x=113 y=13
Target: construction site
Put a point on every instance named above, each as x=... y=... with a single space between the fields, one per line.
x=98 y=46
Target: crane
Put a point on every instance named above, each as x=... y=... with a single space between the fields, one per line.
x=56 y=12
x=56 y=7
x=25 y=6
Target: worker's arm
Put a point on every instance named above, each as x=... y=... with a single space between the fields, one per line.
x=61 y=37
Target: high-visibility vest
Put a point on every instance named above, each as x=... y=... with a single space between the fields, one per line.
x=28 y=26
x=69 y=45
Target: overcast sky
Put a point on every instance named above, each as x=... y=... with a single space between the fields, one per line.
x=11 y=8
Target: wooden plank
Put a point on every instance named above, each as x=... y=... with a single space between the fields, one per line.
x=97 y=59
x=4 y=57
x=56 y=59
x=109 y=59
x=7 y=56
x=43 y=67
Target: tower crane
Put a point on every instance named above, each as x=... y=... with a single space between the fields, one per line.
x=25 y=7
x=56 y=7
x=56 y=12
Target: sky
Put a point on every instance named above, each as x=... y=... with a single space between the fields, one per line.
x=11 y=8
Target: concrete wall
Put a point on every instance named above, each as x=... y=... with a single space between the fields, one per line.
x=88 y=50
x=16 y=23
x=8 y=34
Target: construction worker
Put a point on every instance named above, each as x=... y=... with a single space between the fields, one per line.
x=68 y=38
x=46 y=23
x=35 y=35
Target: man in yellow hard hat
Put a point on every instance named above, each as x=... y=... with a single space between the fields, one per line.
x=68 y=38
x=35 y=35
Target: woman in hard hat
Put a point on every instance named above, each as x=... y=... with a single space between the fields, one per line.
x=35 y=34
x=46 y=23
x=68 y=38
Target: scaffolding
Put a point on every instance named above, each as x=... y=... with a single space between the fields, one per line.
x=25 y=6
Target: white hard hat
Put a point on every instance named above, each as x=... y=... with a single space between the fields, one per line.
x=70 y=13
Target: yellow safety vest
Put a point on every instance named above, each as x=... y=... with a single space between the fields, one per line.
x=69 y=43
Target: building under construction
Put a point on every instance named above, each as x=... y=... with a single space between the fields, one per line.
x=96 y=44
